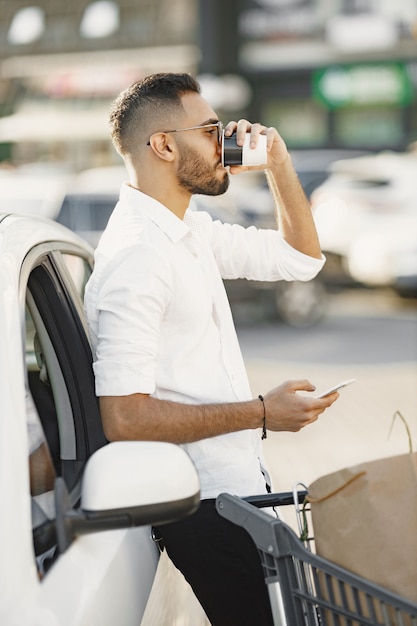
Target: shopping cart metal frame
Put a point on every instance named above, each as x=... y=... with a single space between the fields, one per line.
x=304 y=588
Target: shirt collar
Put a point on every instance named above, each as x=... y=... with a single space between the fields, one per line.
x=165 y=219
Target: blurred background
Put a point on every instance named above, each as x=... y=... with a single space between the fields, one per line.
x=338 y=78
x=338 y=74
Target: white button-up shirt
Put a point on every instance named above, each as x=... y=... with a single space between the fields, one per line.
x=160 y=322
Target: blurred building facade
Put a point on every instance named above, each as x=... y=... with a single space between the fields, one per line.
x=327 y=73
x=63 y=61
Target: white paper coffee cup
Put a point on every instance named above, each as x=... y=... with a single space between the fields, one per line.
x=232 y=154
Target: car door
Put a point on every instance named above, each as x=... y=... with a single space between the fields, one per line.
x=101 y=578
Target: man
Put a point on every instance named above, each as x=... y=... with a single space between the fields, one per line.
x=167 y=361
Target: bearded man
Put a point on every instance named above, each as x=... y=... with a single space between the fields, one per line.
x=167 y=361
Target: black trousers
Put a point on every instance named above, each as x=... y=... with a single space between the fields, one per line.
x=222 y=565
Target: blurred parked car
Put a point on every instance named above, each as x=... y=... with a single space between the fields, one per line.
x=386 y=255
x=70 y=552
x=366 y=217
x=313 y=166
x=90 y=200
x=35 y=188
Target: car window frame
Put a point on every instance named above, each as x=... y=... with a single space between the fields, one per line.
x=77 y=370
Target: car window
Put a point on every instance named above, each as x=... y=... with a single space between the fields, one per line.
x=62 y=409
x=86 y=212
x=41 y=465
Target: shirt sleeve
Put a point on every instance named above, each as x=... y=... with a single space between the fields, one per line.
x=131 y=304
x=256 y=254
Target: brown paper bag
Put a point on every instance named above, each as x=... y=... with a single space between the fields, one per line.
x=365 y=520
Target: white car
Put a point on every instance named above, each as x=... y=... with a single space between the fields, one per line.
x=366 y=216
x=386 y=256
x=75 y=535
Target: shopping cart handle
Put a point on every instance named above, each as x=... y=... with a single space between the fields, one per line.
x=255 y=521
x=276 y=499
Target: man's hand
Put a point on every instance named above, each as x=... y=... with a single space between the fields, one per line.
x=287 y=410
x=275 y=145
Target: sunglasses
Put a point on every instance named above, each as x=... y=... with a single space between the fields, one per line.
x=217 y=125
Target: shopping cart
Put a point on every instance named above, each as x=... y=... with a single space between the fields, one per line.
x=304 y=588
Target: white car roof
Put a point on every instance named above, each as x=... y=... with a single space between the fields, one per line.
x=20 y=233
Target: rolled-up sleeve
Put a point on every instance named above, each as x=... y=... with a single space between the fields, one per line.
x=258 y=254
x=131 y=306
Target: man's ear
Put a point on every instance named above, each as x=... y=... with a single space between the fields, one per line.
x=163 y=146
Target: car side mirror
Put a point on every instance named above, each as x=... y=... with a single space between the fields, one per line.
x=127 y=484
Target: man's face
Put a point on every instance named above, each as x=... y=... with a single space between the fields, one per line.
x=200 y=170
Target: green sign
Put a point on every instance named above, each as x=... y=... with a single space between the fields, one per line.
x=355 y=85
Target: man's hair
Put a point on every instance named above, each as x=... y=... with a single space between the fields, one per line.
x=139 y=110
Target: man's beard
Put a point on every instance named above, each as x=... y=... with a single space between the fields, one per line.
x=198 y=177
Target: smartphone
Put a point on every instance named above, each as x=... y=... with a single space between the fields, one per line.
x=336 y=387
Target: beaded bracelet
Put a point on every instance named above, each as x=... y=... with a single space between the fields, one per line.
x=264 y=435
